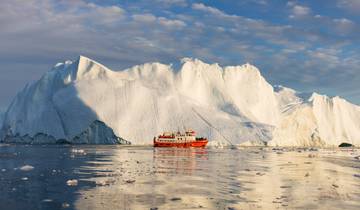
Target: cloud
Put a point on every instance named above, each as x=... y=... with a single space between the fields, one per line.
x=298 y=11
x=344 y=25
x=36 y=34
x=171 y=23
x=144 y=17
x=208 y=9
x=349 y=5
x=182 y=3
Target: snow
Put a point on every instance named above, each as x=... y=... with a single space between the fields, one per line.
x=322 y=121
x=229 y=105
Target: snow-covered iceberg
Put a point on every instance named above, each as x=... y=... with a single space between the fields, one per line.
x=229 y=105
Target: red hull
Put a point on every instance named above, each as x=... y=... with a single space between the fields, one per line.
x=201 y=143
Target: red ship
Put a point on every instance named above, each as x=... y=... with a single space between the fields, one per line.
x=178 y=139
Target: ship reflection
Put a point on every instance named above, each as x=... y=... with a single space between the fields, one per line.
x=185 y=161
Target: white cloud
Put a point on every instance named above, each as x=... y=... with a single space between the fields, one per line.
x=121 y=36
x=182 y=3
x=171 y=23
x=344 y=26
x=301 y=10
x=208 y=9
x=350 y=5
x=144 y=17
x=298 y=11
x=163 y=21
x=105 y=14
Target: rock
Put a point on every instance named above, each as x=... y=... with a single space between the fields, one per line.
x=344 y=144
x=307 y=174
x=175 y=199
x=72 y=182
x=154 y=208
x=334 y=185
x=284 y=186
x=130 y=181
x=311 y=155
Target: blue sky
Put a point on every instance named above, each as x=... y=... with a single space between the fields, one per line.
x=306 y=45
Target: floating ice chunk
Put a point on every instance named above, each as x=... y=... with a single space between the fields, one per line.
x=26 y=168
x=78 y=151
x=24 y=178
x=105 y=182
x=72 y=182
x=47 y=200
x=65 y=205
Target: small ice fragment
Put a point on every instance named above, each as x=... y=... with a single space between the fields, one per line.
x=78 y=151
x=105 y=182
x=3 y=170
x=65 y=205
x=26 y=168
x=24 y=178
x=47 y=200
x=72 y=182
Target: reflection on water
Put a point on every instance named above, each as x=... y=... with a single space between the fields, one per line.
x=118 y=177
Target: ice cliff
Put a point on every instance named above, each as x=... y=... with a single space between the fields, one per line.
x=229 y=105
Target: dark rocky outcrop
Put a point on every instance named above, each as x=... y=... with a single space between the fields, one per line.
x=344 y=144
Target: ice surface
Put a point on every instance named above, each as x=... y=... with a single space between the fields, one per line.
x=26 y=168
x=229 y=105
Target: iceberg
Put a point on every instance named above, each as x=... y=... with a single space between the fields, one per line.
x=83 y=101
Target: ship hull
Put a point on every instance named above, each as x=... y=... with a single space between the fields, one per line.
x=201 y=143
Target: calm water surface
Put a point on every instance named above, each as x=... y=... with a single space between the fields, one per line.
x=123 y=177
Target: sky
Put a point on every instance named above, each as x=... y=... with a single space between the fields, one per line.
x=308 y=45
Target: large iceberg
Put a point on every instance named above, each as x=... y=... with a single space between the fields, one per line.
x=229 y=105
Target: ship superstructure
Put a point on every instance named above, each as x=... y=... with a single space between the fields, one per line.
x=178 y=139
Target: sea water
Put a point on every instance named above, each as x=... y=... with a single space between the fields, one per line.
x=129 y=177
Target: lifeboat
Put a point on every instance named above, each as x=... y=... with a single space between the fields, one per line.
x=187 y=139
